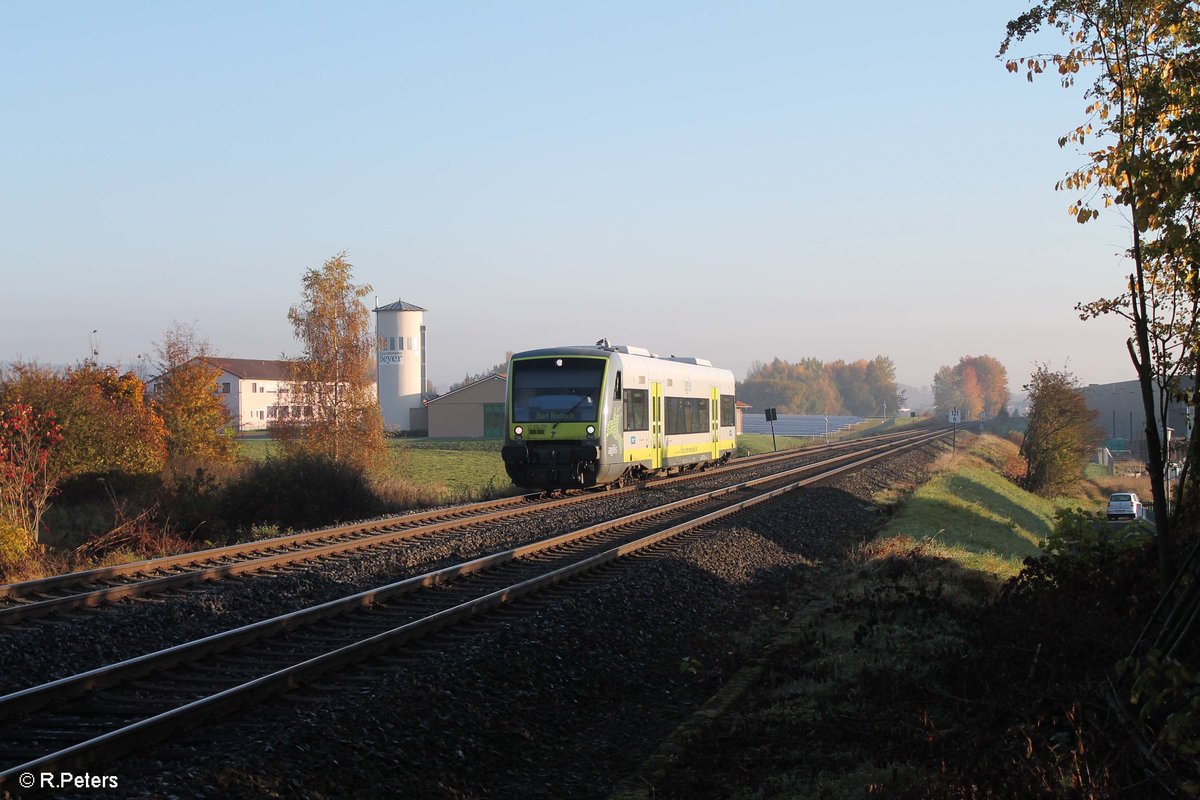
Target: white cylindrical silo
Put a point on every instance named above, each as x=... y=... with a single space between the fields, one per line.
x=400 y=345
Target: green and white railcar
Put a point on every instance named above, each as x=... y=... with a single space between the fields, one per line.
x=588 y=416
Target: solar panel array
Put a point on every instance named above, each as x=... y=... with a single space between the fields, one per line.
x=795 y=424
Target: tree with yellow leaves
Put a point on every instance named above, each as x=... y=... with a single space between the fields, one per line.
x=198 y=423
x=1139 y=139
x=334 y=379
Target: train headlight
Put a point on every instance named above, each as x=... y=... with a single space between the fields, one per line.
x=591 y=430
x=517 y=431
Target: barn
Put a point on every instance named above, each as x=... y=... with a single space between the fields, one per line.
x=474 y=411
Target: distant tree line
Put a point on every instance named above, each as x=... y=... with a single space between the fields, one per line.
x=977 y=386
x=809 y=386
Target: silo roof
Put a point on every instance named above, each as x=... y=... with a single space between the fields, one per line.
x=400 y=305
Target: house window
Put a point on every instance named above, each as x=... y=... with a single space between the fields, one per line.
x=225 y=388
x=253 y=388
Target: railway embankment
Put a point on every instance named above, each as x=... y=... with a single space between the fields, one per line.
x=935 y=661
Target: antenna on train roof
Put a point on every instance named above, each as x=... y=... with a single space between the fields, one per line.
x=603 y=343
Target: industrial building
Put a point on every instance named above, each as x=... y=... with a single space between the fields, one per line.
x=1122 y=418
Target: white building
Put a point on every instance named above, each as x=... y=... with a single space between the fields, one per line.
x=400 y=344
x=255 y=391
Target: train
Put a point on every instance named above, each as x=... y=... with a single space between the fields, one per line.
x=602 y=415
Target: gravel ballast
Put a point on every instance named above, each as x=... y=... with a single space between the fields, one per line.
x=564 y=695
x=60 y=646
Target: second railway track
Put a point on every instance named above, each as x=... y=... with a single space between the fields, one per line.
x=118 y=713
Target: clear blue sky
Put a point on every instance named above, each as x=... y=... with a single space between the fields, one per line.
x=730 y=180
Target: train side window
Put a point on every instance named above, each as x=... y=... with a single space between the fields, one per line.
x=728 y=414
x=617 y=390
x=686 y=415
x=636 y=408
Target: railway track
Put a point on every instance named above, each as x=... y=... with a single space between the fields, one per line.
x=31 y=600
x=105 y=712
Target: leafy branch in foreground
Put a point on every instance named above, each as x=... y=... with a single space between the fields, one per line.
x=1139 y=138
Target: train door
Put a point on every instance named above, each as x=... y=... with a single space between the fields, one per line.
x=714 y=421
x=656 y=426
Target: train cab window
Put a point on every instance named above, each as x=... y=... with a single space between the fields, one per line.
x=728 y=413
x=553 y=389
x=617 y=390
x=635 y=406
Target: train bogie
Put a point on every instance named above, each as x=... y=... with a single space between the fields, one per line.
x=588 y=416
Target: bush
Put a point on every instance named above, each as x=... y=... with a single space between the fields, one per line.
x=15 y=542
x=191 y=496
x=299 y=491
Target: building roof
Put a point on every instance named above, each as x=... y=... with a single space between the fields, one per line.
x=253 y=368
x=500 y=376
x=400 y=305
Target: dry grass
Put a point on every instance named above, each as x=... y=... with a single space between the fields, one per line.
x=1103 y=487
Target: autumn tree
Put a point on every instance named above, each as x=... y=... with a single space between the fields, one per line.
x=972 y=394
x=107 y=425
x=334 y=377
x=1139 y=139
x=197 y=422
x=1061 y=432
x=28 y=475
x=993 y=384
x=947 y=391
x=976 y=385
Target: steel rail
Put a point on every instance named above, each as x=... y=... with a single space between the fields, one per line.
x=120 y=740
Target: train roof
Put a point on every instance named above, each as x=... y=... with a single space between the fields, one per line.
x=605 y=351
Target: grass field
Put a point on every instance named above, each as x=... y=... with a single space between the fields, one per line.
x=459 y=469
x=452 y=469
x=971 y=513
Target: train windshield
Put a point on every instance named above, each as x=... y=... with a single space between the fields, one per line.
x=556 y=389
